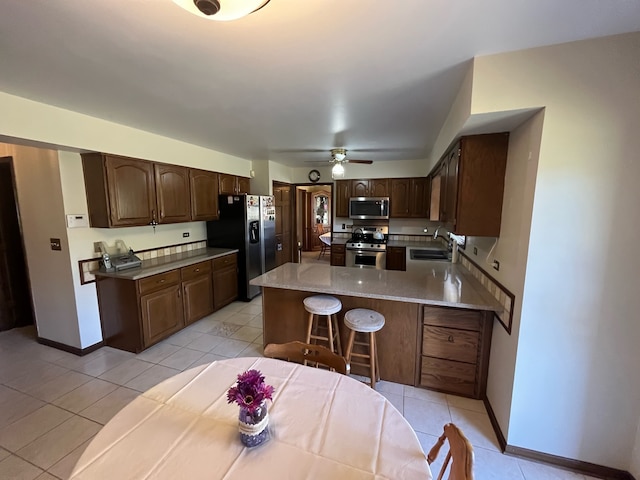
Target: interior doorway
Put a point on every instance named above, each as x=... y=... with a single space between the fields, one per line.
x=15 y=294
x=313 y=214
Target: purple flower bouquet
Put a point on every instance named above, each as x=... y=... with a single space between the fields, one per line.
x=251 y=394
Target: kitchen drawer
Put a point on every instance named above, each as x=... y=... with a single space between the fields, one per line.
x=447 y=375
x=157 y=282
x=450 y=343
x=338 y=248
x=225 y=262
x=195 y=270
x=452 y=317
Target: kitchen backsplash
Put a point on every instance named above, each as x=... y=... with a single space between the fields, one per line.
x=92 y=264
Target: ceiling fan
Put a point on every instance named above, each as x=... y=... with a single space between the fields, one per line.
x=338 y=157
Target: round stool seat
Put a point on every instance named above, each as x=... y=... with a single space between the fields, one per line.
x=363 y=320
x=322 y=305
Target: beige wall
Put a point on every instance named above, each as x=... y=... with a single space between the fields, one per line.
x=42 y=217
x=575 y=387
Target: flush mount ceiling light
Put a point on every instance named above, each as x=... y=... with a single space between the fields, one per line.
x=221 y=10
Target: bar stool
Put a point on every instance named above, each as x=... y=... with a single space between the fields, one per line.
x=364 y=321
x=323 y=306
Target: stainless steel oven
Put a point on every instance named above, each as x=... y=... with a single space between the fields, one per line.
x=367 y=248
x=366 y=259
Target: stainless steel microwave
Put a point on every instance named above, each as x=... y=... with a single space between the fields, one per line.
x=369 y=208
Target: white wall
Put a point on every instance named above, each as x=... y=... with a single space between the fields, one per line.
x=66 y=311
x=39 y=198
x=576 y=391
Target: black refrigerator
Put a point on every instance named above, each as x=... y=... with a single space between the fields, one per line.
x=247 y=222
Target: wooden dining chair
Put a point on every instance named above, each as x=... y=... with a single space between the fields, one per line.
x=323 y=246
x=460 y=453
x=304 y=353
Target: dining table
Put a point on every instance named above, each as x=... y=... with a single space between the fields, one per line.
x=322 y=425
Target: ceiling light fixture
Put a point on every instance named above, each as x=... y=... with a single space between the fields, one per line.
x=337 y=171
x=221 y=10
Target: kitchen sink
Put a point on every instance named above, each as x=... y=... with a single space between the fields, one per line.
x=428 y=254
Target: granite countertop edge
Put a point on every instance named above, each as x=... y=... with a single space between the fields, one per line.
x=167 y=263
x=480 y=298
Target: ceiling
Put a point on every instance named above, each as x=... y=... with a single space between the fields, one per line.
x=288 y=82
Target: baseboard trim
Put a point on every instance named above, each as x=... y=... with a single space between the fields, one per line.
x=68 y=348
x=496 y=426
x=577 y=466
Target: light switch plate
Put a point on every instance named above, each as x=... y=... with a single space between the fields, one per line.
x=77 y=220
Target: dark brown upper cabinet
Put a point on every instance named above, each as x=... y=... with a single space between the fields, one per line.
x=173 y=193
x=409 y=197
x=125 y=192
x=120 y=190
x=342 y=195
x=467 y=185
x=374 y=187
x=204 y=195
x=232 y=184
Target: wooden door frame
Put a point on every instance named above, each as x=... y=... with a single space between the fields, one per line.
x=292 y=217
x=329 y=187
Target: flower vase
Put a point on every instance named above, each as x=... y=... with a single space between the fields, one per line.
x=253 y=426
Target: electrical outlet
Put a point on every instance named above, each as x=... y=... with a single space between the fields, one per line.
x=185 y=234
x=496 y=265
x=55 y=244
x=475 y=250
x=97 y=247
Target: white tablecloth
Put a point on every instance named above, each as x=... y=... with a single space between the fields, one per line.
x=326 y=238
x=323 y=425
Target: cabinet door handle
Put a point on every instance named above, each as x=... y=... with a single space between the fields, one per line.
x=450 y=339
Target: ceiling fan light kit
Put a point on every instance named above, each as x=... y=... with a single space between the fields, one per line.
x=221 y=10
x=337 y=171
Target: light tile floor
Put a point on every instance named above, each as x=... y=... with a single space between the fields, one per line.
x=52 y=402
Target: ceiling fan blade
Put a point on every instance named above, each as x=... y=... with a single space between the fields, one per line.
x=368 y=162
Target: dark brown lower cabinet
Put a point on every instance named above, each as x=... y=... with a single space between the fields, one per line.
x=197 y=289
x=455 y=350
x=397 y=258
x=162 y=314
x=136 y=314
x=225 y=280
x=338 y=255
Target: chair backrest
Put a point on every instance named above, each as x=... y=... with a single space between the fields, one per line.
x=460 y=452
x=304 y=352
x=319 y=229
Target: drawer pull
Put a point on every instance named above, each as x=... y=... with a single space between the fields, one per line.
x=450 y=339
x=161 y=281
x=197 y=270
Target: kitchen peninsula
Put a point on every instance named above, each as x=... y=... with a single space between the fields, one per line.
x=438 y=320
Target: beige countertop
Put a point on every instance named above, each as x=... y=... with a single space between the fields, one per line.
x=439 y=283
x=166 y=263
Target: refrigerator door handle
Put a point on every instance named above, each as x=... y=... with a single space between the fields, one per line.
x=254 y=236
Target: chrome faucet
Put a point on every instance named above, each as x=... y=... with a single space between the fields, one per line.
x=435 y=234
